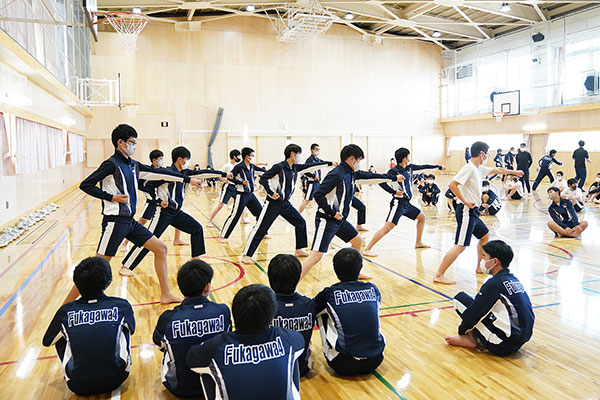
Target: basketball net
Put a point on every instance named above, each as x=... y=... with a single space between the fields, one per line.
x=128 y=26
x=131 y=108
x=499 y=116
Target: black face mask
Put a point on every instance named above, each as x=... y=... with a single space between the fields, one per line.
x=574 y=187
x=237 y=159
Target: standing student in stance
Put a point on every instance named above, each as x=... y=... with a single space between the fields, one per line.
x=564 y=218
x=172 y=195
x=92 y=334
x=581 y=156
x=400 y=205
x=157 y=160
x=348 y=319
x=500 y=318
x=574 y=194
x=334 y=198
x=294 y=311
x=497 y=161
x=545 y=165
x=490 y=203
x=524 y=161
x=279 y=183
x=466 y=185
x=244 y=197
x=257 y=361
x=228 y=189
x=311 y=180
x=194 y=321
x=509 y=160
x=118 y=178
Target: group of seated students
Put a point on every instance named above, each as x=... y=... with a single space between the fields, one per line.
x=270 y=348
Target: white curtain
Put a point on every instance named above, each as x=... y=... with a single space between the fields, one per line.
x=38 y=147
x=6 y=167
x=77 y=148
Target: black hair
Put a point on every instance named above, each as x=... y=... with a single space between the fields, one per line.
x=234 y=153
x=351 y=150
x=478 y=147
x=431 y=176
x=581 y=143
x=523 y=145
x=122 y=132
x=500 y=250
x=154 y=154
x=559 y=172
x=553 y=189
x=246 y=151
x=485 y=183
x=512 y=148
x=92 y=276
x=347 y=264
x=284 y=273
x=571 y=181
x=291 y=148
x=193 y=276
x=552 y=152
x=401 y=153
x=499 y=151
x=180 y=151
x=254 y=308
x=314 y=146
x=515 y=179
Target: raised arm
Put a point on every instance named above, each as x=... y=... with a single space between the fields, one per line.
x=310 y=168
x=161 y=174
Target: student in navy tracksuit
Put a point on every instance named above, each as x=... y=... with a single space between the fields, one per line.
x=170 y=195
x=361 y=213
x=400 y=204
x=545 y=164
x=490 y=203
x=228 y=189
x=334 y=198
x=194 y=321
x=498 y=158
x=564 y=218
x=279 y=183
x=257 y=361
x=500 y=318
x=451 y=200
x=92 y=334
x=244 y=197
x=118 y=178
x=294 y=311
x=157 y=161
x=310 y=180
x=348 y=319
x=581 y=156
x=430 y=191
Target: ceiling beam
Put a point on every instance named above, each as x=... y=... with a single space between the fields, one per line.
x=543 y=15
x=366 y=9
x=420 y=32
x=517 y=11
x=191 y=14
x=439 y=24
x=470 y=21
x=416 y=10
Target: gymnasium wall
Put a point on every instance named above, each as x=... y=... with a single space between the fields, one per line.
x=335 y=90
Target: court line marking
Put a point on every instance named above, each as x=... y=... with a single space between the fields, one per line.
x=388 y=385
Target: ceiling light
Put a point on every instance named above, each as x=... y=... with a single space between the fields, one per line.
x=505 y=7
x=349 y=16
x=137 y=10
x=436 y=34
x=250 y=7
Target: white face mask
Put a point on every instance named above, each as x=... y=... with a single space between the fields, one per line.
x=598 y=180
x=483 y=268
x=316 y=153
x=296 y=159
x=186 y=164
x=429 y=181
x=129 y=148
x=160 y=163
x=559 y=178
x=356 y=166
x=252 y=159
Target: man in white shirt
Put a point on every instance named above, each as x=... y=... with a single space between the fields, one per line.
x=575 y=194
x=559 y=182
x=466 y=186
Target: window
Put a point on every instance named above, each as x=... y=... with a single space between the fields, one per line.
x=495 y=142
x=38 y=147
x=76 y=148
x=568 y=141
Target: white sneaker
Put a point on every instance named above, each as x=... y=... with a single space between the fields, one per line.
x=369 y=253
x=247 y=260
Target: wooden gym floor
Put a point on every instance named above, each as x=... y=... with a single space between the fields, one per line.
x=562 y=277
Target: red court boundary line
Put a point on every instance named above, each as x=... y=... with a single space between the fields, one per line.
x=539 y=209
x=568 y=253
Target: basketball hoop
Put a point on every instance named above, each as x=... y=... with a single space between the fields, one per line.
x=131 y=108
x=128 y=26
x=499 y=116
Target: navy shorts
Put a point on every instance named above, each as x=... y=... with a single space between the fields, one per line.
x=309 y=188
x=469 y=225
x=227 y=192
x=149 y=209
x=492 y=210
x=114 y=230
x=400 y=207
x=326 y=229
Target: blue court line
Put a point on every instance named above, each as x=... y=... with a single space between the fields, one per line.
x=593 y=280
x=551 y=277
x=546 y=305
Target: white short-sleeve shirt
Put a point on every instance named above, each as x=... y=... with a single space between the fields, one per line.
x=469 y=179
x=228 y=167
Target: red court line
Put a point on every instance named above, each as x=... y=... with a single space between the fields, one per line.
x=571 y=256
x=414 y=313
x=539 y=209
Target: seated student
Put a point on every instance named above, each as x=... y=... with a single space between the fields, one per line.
x=490 y=203
x=559 y=182
x=451 y=200
x=196 y=320
x=257 y=361
x=348 y=319
x=500 y=318
x=564 y=218
x=513 y=189
x=594 y=191
x=92 y=334
x=294 y=311
x=430 y=191
x=575 y=194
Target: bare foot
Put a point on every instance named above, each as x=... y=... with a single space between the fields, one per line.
x=221 y=239
x=443 y=280
x=170 y=298
x=267 y=237
x=245 y=222
x=421 y=246
x=301 y=253
x=463 y=341
x=179 y=243
x=126 y=272
x=361 y=228
x=364 y=277
x=369 y=253
x=247 y=260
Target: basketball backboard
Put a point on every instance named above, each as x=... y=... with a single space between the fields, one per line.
x=506 y=103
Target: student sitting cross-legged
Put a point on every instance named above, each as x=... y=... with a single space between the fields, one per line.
x=294 y=311
x=564 y=218
x=500 y=318
x=92 y=334
x=196 y=320
x=348 y=319
x=257 y=361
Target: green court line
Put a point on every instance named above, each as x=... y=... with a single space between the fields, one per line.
x=388 y=385
x=212 y=298
x=415 y=304
x=259 y=267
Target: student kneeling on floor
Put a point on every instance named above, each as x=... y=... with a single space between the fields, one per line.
x=92 y=334
x=500 y=318
x=348 y=319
